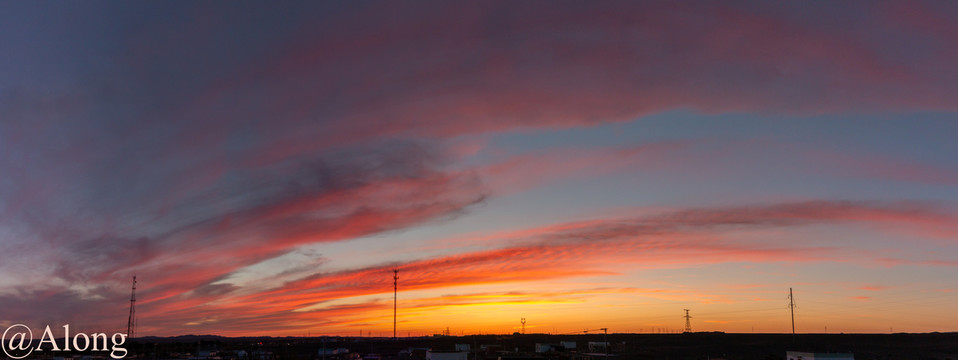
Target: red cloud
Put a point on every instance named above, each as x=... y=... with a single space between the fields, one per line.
x=508 y=66
x=593 y=247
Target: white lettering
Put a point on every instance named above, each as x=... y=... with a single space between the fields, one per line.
x=66 y=337
x=48 y=337
x=118 y=343
x=96 y=347
x=17 y=342
x=86 y=342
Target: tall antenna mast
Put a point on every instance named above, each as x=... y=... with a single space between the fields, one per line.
x=131 y=321
x=791 y=307
x=523 y=321
x=688 y=325
x=395 y=297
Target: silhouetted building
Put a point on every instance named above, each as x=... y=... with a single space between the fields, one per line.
x=447 y=355
x=797 y=355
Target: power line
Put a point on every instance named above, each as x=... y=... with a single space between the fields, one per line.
x=791 y=306
x=738 y=311
x=884 y=302
x=395 y=297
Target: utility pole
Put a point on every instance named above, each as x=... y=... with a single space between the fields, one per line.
x=395 y=297
x=131 y=321
x=605 y=338
x=688 y=325
x=791 y=307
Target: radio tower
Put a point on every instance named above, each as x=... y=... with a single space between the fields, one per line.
x=523 y=321
x=688 y=325
x=395 y=297
x=791 y=306
x=131 y=321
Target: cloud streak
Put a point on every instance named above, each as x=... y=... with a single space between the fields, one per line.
x=597 y=248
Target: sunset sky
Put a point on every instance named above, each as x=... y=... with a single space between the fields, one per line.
x=262 y=167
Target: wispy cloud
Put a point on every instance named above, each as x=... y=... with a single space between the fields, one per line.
x=602 y=247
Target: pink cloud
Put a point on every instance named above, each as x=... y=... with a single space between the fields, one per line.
x=529 y=170
x=574 y=65
x=596 y=247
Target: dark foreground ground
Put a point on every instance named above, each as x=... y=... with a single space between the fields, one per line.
x=624 y=346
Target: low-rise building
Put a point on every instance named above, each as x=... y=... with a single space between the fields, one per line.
x=798 y=355
x=447 y=355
